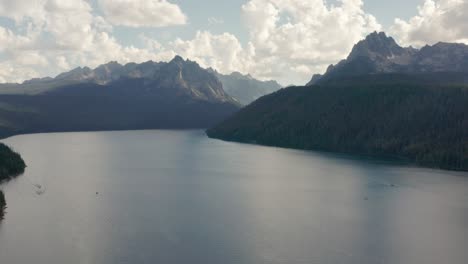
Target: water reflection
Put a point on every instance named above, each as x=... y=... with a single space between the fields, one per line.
x=178 y=197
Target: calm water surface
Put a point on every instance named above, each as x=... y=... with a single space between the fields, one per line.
x=178 y=197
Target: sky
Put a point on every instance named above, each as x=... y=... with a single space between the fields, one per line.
x=284 y=40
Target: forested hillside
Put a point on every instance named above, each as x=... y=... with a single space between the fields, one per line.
x=424 y=123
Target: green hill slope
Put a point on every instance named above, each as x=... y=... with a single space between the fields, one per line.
x=423 y=123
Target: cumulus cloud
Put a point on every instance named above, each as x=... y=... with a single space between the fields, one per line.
x=223 y=52
x=296 y=38
x=289 y=39
x=142 y=13
x=55 y=35
x=437 y=20
x=19 y=9
x=15 y=72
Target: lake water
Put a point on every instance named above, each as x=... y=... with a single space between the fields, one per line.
x=177 y=197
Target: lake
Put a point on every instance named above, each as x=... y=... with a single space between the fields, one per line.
x=177 y=197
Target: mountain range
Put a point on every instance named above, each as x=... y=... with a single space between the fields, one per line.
x=242 y=88
x=245 y=88
x=175 y=94
x=378 y=54
x=382 y=100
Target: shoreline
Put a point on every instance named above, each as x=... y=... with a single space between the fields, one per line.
x=2 y=205
x=11 y=165
x=8 y=135
x=384 y=158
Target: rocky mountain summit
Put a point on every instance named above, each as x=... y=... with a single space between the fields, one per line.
x=185 y=77
x=378 y=53
x=150 y=95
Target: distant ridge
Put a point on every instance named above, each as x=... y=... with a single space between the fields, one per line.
x=245 y=88
x=150 y=95
x=242 y=88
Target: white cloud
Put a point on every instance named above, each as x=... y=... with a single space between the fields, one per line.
x=223 y=52
x=437 y=20
x=8 y=40
x=295 y=38
x=62 y=63
x=67 y=22
x=142 y=13
x=55 y=36
x=289 y=39
x=15 y=73
x=18 y=9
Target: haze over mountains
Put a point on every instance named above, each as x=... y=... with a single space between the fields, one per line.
x=383 y=100
x=245 y=88
x=176 y=94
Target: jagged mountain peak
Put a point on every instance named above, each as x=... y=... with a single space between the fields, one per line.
x=115 y=97
x=179 y=75
x=445 y=46
x=211 y=70
x=180 y=63
x=239 y=75
x=177 y=59
x=379 y=53
x=77 y=74
x=112 y=64
x=376 y=44
x=378 y=36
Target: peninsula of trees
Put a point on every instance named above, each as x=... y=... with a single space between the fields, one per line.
x=11 y=164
